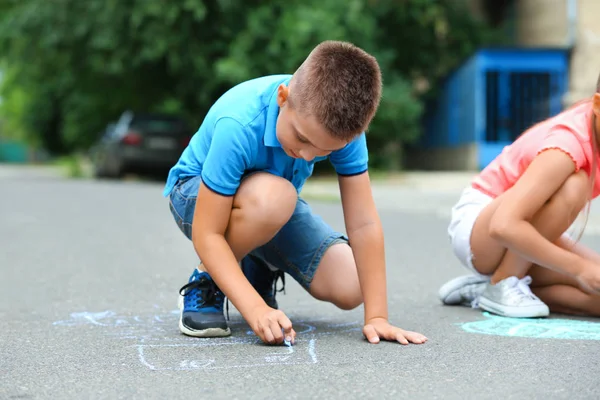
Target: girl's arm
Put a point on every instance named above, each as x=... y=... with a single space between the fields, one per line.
x=579 y=249
x=510 y=223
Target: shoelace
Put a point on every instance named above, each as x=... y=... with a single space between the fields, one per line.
x=207 y=292
x=522 y=289
x=275 y=275
x=279 y=275
x=471 y=292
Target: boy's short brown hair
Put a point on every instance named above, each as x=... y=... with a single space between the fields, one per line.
x=340 y=85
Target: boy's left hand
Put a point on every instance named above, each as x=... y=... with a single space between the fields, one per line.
x=379 y=328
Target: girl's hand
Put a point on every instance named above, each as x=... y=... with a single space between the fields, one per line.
x=589 y=278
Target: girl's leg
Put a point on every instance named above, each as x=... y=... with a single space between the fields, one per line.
x=507 y=294
x=552 y=220
x=567 y=299
x=561 y=292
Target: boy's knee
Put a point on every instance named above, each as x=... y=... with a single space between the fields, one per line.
x=349 y=301
x=336 y=280
x=574 y=193
x=344 y=298
x=267 y=200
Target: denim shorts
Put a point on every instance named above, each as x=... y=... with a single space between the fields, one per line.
x=296 y=249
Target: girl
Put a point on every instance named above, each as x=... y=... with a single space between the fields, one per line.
x=509 y=226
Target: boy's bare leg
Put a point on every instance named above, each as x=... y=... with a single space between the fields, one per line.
x=262 y=205
x=336 y=279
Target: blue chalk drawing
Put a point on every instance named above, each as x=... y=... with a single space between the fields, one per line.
x=549 y=328
x=154 y=334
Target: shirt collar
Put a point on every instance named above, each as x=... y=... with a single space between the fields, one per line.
x=270 y=137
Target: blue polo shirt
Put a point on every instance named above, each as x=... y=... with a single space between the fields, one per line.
x=238 y=136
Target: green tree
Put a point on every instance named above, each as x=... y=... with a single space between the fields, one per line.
x=75 y=65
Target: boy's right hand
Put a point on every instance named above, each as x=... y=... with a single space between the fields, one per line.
x=267 y=323
x=589 y=278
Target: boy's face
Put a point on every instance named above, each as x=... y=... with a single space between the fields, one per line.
x=302 y=136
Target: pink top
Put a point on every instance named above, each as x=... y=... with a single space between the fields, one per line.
x=569 y=131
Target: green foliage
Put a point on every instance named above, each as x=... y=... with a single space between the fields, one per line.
x=73 y=66
x=15 y=100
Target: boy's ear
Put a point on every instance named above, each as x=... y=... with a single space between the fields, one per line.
x=282 y=94
x=596 y=101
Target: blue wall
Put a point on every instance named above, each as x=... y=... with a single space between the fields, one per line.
x=13 y=152
x=460 y=115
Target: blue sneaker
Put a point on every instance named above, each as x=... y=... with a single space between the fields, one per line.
x=263 y=279
x=201 y=304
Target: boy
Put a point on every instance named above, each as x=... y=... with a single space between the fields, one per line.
x=235 y=194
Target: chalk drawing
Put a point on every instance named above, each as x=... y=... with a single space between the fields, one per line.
x=109 y=318
x=160 y=346
x=543 y=328
x=94 y=318
x=220 y=356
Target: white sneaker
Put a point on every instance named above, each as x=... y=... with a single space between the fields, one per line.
x=464 y=290
x=512 y=297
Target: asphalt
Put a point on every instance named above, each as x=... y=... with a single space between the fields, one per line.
x=89 y=275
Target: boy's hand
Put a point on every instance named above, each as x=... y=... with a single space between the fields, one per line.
x=377 y=328
x=272 y=326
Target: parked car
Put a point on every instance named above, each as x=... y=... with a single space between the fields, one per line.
x=140 y=142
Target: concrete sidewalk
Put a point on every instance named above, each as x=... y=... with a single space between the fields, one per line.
x=425 y=193
x=29 y=171
x=90 y=275
x=447 y=182
x=450 y=182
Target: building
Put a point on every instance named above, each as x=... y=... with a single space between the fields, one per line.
x=560 y=37
x=568 y=24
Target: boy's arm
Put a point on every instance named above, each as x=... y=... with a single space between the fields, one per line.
x=214 y=203
x=366 y=238
x=208 y=237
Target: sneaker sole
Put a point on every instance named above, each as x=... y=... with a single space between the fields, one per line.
x=204 y=333
x=456 y=284
x=513 y=312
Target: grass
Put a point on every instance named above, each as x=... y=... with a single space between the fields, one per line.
x=322 y=197
x=73 y=166
x=374 y=175
x=78 y=166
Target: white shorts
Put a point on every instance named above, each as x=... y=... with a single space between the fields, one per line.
x=464 y=214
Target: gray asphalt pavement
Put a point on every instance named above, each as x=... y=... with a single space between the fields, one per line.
x=89 y=274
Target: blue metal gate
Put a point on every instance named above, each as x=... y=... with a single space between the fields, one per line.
x=494 y=97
